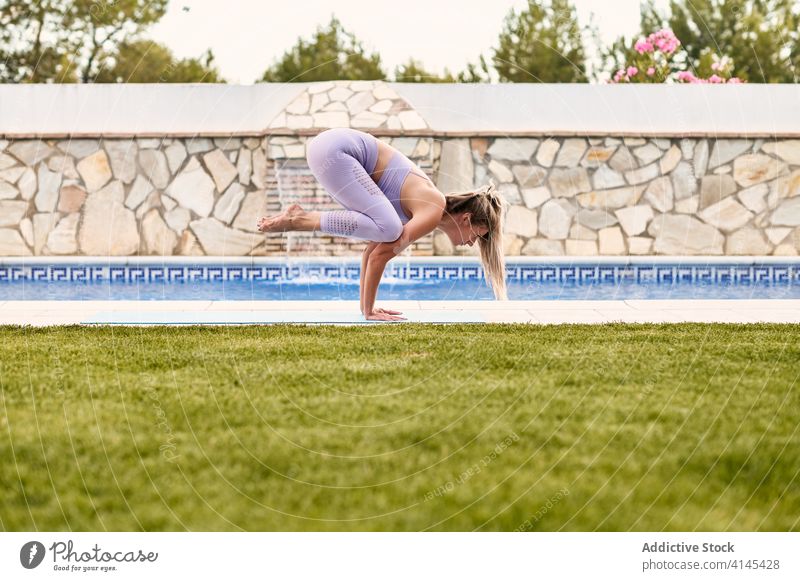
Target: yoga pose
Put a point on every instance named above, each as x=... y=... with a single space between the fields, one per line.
x=391 y=203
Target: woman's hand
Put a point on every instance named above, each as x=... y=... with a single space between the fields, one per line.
x=387 y=311
x=421 y=223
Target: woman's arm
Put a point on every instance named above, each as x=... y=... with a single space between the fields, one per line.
x=376 y=264
x=419 y=225
x=364 y=257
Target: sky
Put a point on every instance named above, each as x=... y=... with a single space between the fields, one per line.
x=247 y=36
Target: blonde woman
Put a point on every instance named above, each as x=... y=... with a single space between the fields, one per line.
x=391 y=203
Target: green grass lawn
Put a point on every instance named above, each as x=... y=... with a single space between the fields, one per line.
x=400 y=427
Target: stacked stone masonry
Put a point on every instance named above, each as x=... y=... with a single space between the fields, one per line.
x=574 y=196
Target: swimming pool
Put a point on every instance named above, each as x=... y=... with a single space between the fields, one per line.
x=418 y=278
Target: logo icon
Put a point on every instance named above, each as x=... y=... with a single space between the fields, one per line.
x=31 y=554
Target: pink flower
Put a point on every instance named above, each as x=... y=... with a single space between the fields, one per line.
x=642 y=46
x=665 y=40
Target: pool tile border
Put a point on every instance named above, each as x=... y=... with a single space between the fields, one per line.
x=585 y=272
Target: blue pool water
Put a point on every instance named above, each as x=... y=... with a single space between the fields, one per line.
x=392 y=287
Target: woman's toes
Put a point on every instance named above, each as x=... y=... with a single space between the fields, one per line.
x=264 y=224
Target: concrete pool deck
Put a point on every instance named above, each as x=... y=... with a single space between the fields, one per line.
x=49 y=313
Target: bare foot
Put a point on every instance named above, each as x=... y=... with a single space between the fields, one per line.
x=281 y=222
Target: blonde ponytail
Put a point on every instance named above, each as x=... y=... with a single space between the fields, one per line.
x=487 y=207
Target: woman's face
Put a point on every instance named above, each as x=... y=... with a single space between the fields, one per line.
x=464 y=233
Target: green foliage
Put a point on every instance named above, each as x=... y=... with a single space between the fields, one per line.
x=90 y=41
x=475 y=73
x=67 y=41
x=621 y=52
x=146 y=61
x=541 y=44
x=102 y=41
x=757 y=35
x=36 y=43
x=332 y=54
x=760 y=37
x=412 y=71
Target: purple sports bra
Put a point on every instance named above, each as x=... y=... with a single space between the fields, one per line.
x=392 y=179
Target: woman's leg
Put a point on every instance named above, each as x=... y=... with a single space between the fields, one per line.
x=336 y=158
x=333 y=157
x=294 y=218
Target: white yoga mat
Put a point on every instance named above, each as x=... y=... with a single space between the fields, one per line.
x=267 y=317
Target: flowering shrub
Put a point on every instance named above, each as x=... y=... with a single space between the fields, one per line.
x=656 y=63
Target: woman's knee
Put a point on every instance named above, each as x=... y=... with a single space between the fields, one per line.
x=391 y=231
x=314 y=150
x=321 y=150
x=334 y=135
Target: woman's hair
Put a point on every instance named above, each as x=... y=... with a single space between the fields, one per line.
x=487 y=207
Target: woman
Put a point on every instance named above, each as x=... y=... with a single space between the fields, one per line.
x=391 y=203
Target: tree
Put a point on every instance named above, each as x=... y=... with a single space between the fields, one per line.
x=33 y=41
x=146 y=61
x=541 y=44
x=475 y=73
x=414 y=72
x=67 y=41
x=332 y=53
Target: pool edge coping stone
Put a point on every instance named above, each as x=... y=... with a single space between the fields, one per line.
x=510 y=260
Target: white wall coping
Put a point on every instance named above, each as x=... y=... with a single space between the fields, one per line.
x=450 y=109
x=510 y=260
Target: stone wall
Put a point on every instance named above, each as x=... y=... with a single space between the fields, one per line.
x=165 y=196
x=636 y=196
x=569 y=196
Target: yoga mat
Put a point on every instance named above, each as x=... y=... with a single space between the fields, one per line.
x=269 y=317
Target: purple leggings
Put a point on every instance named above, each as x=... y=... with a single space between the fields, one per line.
x=341 y=159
